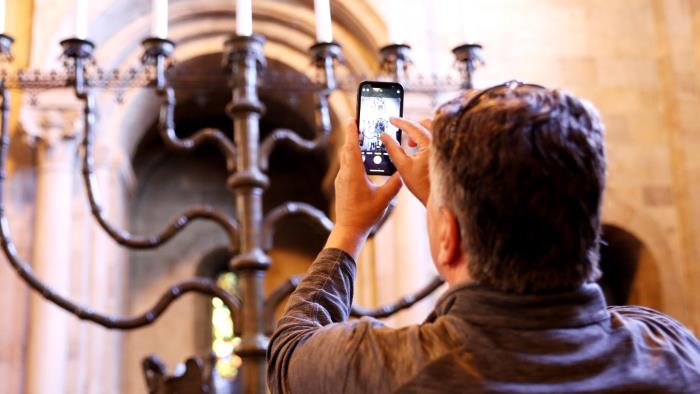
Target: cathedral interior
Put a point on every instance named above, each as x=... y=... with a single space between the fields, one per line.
x=184 y=66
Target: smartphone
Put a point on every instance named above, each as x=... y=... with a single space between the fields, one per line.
x=376 y=103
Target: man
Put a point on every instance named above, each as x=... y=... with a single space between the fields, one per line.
x=512 y=179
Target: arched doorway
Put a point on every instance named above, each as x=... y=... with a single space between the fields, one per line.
x=630 y=273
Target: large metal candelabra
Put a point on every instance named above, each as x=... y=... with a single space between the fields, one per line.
x=251 y=232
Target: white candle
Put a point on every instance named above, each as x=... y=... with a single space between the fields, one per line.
x=81 y=19
x=2 y=16
x=244 y=17
x=159 y=27
x=324 y=31
x=394 y=25
x=466 y=22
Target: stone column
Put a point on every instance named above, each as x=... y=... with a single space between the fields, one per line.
x=52 y=132
x=107 y=269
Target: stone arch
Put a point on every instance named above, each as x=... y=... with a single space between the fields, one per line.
x=655 y=258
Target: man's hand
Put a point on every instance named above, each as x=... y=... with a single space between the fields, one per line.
x=413 y=169
x=358 y=202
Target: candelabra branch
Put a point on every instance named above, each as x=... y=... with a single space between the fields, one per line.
x=207 y=135
x=198 y=285
x=275 y=299
x=403 y=303
x=385 y=216
x=123 y=237
x=325 y=56
x=291 y=208
x=289 y=137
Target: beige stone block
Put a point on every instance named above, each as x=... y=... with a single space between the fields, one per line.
x=640 y=72
x=622 y=28
x=579 y=73
x=617 y=129
x=658 y=195
x=629 y=100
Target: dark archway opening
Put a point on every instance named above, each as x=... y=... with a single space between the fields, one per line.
x=619 y=262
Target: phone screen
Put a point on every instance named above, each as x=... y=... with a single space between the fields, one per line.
x=377 y=102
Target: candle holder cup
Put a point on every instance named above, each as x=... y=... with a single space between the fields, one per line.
x=325 y=56
x=239 y=50
x=468 y=57
x=6 y=48
x=157 y=53
x=395 y=60
x=76 y=52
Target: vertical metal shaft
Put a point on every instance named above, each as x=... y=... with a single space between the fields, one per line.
x=245 y=59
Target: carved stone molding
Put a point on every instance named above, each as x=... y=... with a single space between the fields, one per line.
x=50 y=125
x=53 y=131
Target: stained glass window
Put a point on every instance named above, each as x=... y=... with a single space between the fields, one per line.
x=224 y=339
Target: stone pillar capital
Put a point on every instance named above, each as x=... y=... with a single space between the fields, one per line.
x=50 y=125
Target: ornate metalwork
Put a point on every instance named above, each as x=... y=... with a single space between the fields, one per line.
x=250 y=233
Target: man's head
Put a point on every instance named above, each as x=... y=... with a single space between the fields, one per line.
x=519 y=170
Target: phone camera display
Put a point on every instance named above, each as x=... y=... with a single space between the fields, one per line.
x=377 y=105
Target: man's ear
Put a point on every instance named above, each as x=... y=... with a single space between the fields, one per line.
x=449 y=246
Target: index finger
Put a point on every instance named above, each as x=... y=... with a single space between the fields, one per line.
x=415 y=131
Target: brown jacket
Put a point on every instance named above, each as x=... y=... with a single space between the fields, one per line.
x=477 y=340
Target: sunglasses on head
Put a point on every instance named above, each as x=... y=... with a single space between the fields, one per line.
x=474 y=101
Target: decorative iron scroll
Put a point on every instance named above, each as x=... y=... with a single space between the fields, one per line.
x=123 y=237
x=213 y=136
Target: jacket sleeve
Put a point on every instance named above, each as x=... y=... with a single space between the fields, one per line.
x=314 y=349
x=322 y=298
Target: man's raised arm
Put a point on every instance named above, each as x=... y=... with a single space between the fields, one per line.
x=324 y=296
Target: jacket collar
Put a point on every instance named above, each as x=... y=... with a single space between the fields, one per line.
x=485 y=306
